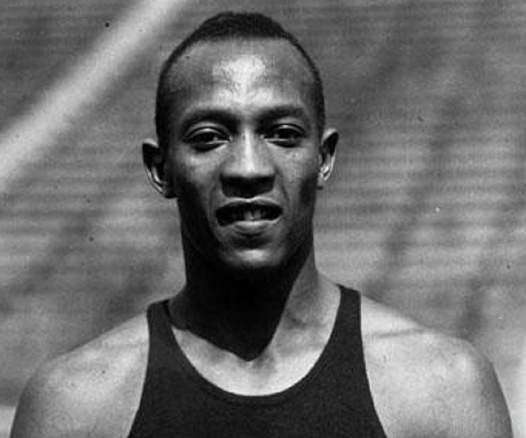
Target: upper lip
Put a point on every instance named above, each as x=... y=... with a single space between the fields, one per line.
x=226 y=210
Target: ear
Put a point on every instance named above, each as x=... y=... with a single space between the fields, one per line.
x=327 y=155
x=155 y=164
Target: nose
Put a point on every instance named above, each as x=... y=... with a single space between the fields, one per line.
x=248 y=170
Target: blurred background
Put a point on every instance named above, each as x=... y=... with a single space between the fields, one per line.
x=426 y=211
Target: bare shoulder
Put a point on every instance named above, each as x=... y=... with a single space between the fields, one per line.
x=428 y=384
x=92 y=391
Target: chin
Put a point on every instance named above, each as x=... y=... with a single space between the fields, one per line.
x=255 y=262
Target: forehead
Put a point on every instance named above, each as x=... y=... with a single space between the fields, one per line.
x=241 y=67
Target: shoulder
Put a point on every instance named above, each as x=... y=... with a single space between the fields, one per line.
x=92 y=391
x=428 y=384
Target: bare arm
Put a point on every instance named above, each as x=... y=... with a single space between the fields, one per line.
x=45 y=411
x=476 y=403
x=92 y=392
x=426 y=384
x=458 y=396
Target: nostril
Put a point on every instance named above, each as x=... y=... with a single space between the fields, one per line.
x=246 y=187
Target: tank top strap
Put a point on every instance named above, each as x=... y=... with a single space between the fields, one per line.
x=162 y=363
x=349 y=312
x=162 y=339
x=344 y=351
x=349 y=360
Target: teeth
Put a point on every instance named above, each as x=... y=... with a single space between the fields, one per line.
x=247 y=213
x=252 y=214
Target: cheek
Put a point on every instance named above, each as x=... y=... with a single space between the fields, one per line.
x=192 y=176
x=192 y=193
x=304 y=178
x=308 y=194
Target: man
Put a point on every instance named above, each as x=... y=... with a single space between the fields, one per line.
x=258 y=343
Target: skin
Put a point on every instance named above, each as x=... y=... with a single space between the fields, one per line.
x=229 y=143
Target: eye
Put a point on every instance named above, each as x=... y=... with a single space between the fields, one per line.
x=286 y=135
x=206 y=138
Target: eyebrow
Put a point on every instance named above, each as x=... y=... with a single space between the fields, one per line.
x=282 y=111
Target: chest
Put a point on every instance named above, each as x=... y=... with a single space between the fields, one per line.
x=269 y=373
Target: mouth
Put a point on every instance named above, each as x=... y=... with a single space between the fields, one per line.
x=247 y=212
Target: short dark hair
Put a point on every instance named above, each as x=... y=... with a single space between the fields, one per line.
x=225 y=26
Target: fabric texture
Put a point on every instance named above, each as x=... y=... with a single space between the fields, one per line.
x=332 y=400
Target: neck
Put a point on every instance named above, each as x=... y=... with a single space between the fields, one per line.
x=240 y=312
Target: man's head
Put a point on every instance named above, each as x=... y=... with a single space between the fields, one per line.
x=242 y=151
x=223 y=27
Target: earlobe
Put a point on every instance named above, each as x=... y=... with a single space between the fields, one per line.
x=154 y=163
x=327 y=156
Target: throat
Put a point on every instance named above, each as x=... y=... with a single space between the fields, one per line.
x=241 y=326
x=245 y=314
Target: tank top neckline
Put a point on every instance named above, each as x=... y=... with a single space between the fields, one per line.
x=325 y=358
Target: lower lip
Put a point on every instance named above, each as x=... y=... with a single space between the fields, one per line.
x=251 y=227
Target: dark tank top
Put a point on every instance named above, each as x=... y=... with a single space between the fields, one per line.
x=332 y=400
